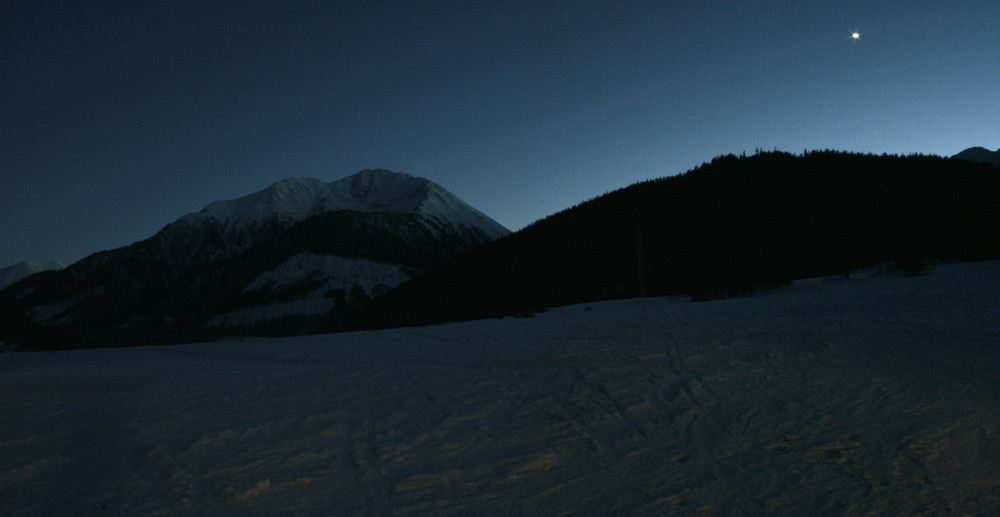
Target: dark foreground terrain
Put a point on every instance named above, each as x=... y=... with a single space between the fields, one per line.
x=877 y=394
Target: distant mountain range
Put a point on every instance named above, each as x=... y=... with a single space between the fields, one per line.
x=980 y=154
x=266 y=263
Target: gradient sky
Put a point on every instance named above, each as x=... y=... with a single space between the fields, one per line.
x=119 y=117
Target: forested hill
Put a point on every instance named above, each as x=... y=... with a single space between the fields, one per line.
x=728 y=226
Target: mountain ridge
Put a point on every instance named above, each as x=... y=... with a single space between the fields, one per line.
x=25 y=268
x=347 y=240
x=979 y=154
x=370 y=190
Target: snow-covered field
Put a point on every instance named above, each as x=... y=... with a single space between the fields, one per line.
x=875 y=395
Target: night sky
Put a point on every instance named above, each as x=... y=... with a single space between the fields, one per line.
x=119 y=117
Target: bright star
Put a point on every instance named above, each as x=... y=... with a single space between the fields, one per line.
x=855 y=35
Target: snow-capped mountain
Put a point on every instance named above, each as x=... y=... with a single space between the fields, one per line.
x=379 y=190
x=25 y=268
x=979 y=154
x=267 y=262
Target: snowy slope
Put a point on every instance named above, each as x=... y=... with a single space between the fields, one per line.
x=11 y=274
x=329 y=268
x=877 y=395
x=323 y=278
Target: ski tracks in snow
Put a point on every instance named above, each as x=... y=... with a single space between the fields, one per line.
x=864 y=396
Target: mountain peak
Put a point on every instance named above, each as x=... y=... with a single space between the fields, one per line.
x=379 y=190
x=370 y=190
x=979 y=154
x=380 y=175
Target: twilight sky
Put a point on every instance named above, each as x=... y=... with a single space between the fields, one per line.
x=119 y=117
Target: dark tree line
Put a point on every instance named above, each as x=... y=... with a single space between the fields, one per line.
x=731 y=225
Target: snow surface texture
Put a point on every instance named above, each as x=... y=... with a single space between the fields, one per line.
x=379 y=190
x=874 y=395
x=11 y=274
